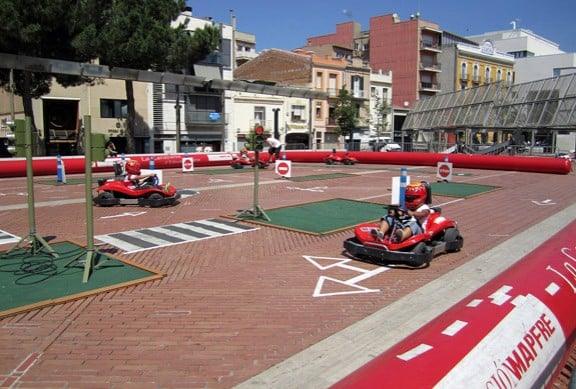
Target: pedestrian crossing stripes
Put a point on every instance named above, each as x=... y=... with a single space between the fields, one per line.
x=8 y=238
x=155 y=237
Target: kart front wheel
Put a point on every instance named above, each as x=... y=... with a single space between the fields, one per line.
x=155 y=200
x=420 y=248
x=105 y=199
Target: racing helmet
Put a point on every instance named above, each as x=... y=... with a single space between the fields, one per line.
x=244 y=150
x=415 y=195
x=133 y=167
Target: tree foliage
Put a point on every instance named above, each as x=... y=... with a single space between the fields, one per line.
x=134 y=34
x=39 y=28
x=346 y=113
x=138 y=34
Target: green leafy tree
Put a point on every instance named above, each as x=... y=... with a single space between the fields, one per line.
x=137 y=34
x=39 y=28
x=381 y=109
x=346 y=114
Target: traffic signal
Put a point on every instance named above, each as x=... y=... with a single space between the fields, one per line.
x=98 y=147
x=259 y=138
x=15 y=140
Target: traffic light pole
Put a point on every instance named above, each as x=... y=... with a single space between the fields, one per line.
x=90 y=254
x=256 y=211
x=35 y=241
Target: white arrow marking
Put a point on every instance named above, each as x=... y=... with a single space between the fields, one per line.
x=351 y=283
x=212 y=180
x=544 y=202
x=315 y=189
x=124 y=214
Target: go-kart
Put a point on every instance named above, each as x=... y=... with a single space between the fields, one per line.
x=344 y=159
x=116 y=191
x=239 y=163
x=441 y=235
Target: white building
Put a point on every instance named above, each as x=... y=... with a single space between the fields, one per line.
x=536 y=57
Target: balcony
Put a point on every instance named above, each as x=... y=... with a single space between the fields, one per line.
x=200 y=117
x=359 y=94
x=332 y=92
x=430 y=86
x=431 y=67
x=464 y=76
x=430 y=46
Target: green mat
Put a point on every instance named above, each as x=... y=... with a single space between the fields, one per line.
x=320 y=177
x=320 y=218
x=457 y=189
x=30 y=282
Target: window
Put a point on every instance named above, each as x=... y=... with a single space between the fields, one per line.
x=475 y=75
x=319 y=80
x=318 y=110
x=332 y=86
x=499 y=75
x=385 y=94
x=113 y=109
x=357 y=86
x=487 y=77
x=464 y=71
x=297 y=114
x=259 y=115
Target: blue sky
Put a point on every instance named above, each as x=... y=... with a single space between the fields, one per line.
x=287 y=24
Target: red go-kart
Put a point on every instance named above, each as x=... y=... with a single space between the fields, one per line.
x=344 y=158
x=240 y=162
x=441 y=235
x=150 y=193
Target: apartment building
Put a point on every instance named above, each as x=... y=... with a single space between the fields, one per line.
x=466 y=64
x=409 y=49
x=536 y=57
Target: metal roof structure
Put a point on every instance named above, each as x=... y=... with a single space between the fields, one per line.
x=43 y=65
x=543 y=104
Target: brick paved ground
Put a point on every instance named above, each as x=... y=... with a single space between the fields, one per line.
x=231 y=307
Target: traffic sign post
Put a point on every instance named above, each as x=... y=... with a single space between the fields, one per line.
x=255 y=211
x=444 y=171
x=187 y=164
x=283 y=168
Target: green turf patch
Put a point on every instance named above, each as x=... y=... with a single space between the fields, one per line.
x=320 y=177
x=30 y=282
x=457 y=189
x=319 y=218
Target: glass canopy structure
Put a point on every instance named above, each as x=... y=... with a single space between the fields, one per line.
x=548 y=104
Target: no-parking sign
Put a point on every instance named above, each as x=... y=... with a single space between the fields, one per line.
x=187 y=164
x=444 y=171
x=284 y=168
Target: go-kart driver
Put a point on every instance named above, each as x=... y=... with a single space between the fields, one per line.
x=416 y=196
x=244 y=154
x=134 y=176
x=394 y=219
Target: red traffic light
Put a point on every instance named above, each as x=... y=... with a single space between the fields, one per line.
x=259 y=130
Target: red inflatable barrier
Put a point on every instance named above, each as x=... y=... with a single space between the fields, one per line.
x=16 y=167
x=512 y=332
